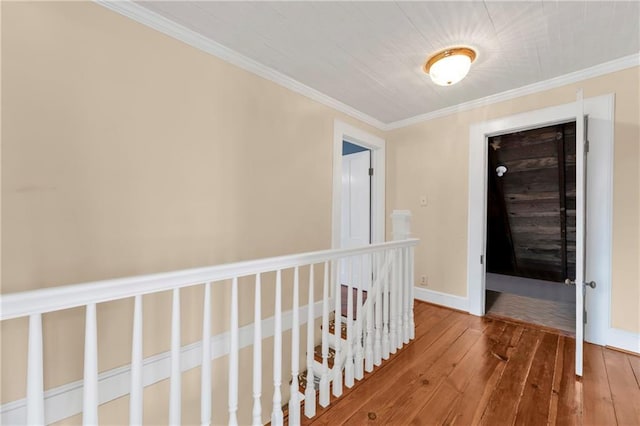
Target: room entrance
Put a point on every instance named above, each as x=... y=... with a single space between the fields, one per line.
x=531 y=225
x=355 y=229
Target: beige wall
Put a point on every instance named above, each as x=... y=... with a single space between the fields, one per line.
x=432 y=158
x=128 y=152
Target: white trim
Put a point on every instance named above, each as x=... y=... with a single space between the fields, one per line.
x=442 y=299
x=345 y=132
x=623 y=339
x=66 y=400
x=574 y=77
x=166 y=26
x=599 y=198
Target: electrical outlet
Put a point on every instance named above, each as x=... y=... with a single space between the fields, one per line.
x=423 y=201
x=423 y=280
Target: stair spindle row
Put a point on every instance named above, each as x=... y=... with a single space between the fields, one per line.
x=379 y=323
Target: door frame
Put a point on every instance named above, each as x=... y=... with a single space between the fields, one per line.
x=600 y=111
x=346 y=132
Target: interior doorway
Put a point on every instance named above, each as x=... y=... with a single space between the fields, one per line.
x=355 y=226
x=598 y=200
x=345 y=132
x=531 y=226
x=358 y=209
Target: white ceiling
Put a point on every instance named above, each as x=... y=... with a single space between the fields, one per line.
x=368 y=55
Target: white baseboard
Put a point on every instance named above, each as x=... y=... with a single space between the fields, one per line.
x=442 y=299
x=622 y=339
x=66 y=400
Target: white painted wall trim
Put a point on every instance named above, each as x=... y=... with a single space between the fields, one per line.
x=599 y=203
x=552 y=83
x=345 y=132
x=66 y=400
x=166 y=26
x=442 y=299
x=622 y=339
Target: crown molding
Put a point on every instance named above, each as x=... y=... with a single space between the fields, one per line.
x=574 y=77
x=166 y=26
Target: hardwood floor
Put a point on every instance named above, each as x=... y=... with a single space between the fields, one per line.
x=463 y=370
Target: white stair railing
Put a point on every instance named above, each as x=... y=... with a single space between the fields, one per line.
x=379 y=323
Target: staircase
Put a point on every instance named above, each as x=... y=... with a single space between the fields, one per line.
x=314 y=379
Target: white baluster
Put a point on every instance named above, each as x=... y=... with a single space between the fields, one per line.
x=368 y=352
x=406 y=285
x=90 y=390
x=233 y=355
x=175 y=389
x=399 y=298
x=205 y=371
x=294 y=397
x=337 y=362
x=135 y=398
x=257 y=354
x=393 y=305
x=276 y=414
x=35 y=386
x=348 y=367
x=324 y=379
x=377 y=343
x=412 y=325
x=358 y=370
x=310 y=392
x=385 y=313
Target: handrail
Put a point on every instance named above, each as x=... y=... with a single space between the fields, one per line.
x=16 y=305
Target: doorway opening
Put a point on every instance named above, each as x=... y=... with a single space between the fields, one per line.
x=594 y=210
x=355 y=226
x=358 y=209
x=531 y=226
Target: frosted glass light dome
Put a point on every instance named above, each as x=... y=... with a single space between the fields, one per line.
x=450 y=66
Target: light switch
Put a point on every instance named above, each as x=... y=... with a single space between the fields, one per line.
x=423 y=200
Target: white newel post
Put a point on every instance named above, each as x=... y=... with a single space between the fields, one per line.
x=401 y=229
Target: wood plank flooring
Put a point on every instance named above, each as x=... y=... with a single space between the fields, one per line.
x=463 y=370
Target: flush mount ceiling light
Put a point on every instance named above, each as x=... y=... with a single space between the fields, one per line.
x=449 y=66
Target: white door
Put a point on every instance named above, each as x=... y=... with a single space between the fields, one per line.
x=581 y=227
x=356 y=217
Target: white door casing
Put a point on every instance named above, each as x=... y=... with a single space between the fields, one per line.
x=599 y=198
x=355 y=221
